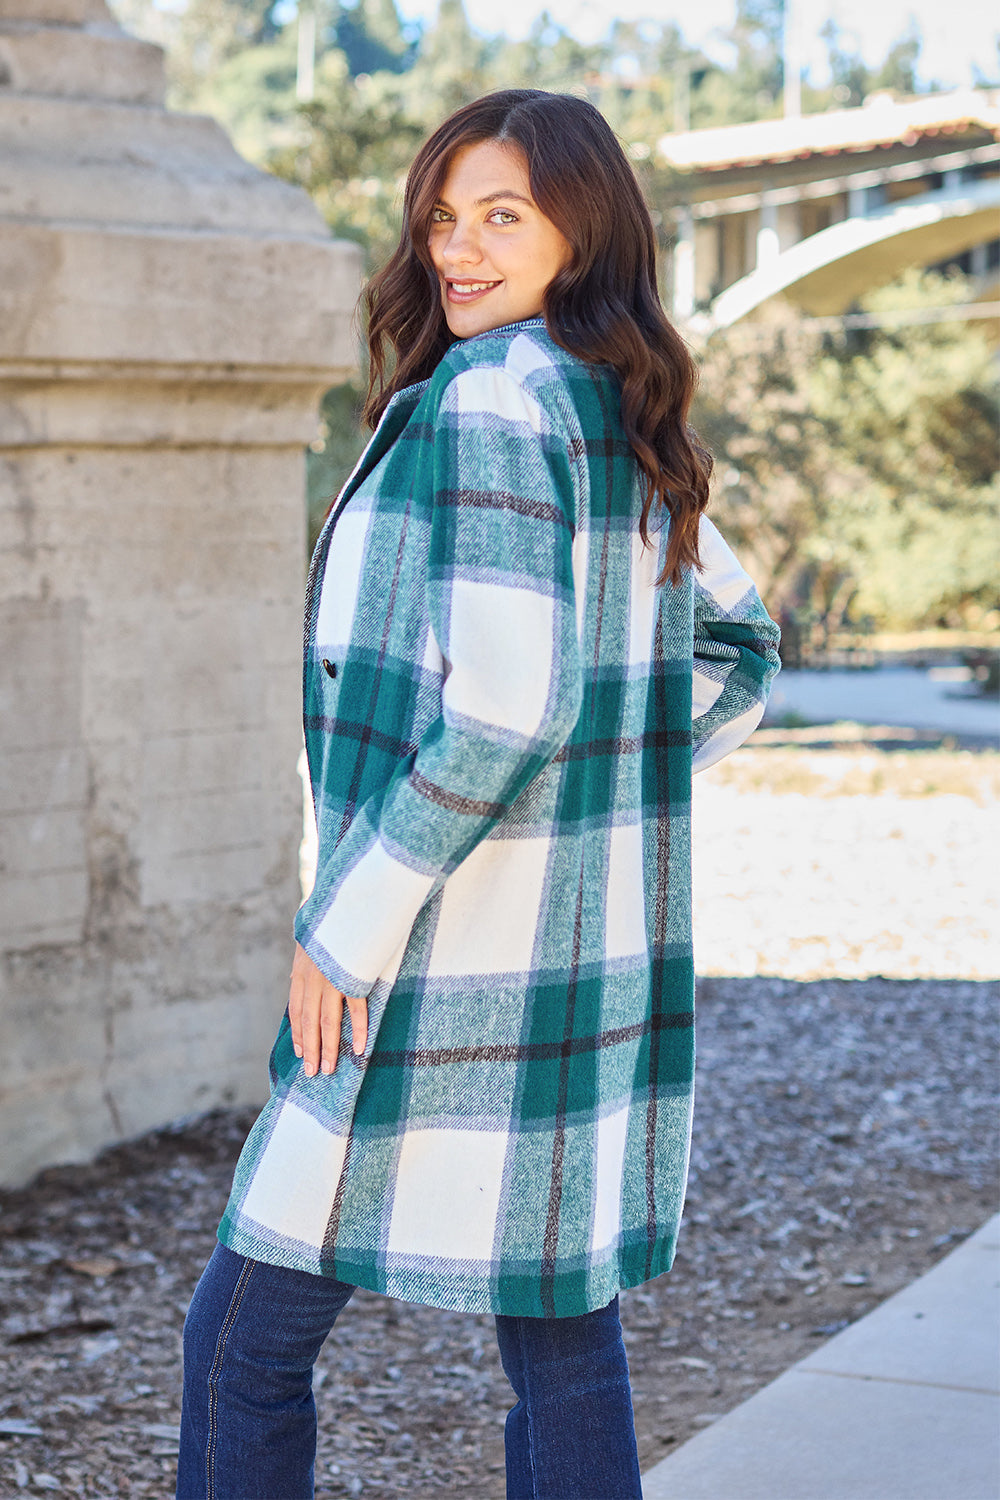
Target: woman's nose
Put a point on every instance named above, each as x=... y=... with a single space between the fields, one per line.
x=461 y=247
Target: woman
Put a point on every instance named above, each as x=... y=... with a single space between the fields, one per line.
x=519 y=629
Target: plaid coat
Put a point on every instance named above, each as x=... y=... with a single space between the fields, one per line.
x=500 y=714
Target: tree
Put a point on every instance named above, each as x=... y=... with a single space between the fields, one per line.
x=856 y=472
x=370 y=35
x=253 y=95
x=915 y=406
x=777 y=484
x=209 y=33
x=447 y=69
x=852 y=80
x=751 y=89
x=548 y=58
x=898 y=71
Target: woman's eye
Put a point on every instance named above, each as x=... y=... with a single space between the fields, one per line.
x=503 y=216
x=440 y=216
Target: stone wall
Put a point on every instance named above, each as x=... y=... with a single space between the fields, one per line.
x=168 y=318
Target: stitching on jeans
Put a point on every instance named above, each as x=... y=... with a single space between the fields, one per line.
x=527 y=1408
x=215 y=1372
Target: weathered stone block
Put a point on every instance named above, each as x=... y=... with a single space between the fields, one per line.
x=168 y=319
x=56 y=61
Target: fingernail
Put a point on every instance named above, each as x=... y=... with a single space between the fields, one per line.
x=309 y=1070
x=298 y=1051
x=328 y=1067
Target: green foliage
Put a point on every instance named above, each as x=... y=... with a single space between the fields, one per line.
x=370 y=35
x=857 y=475
x=776 y=488
x=350 y=148
x=253 y=94
x=853 y=80
x=915 y=406
x=335 y=452
x=751 y=88
x=208 y=34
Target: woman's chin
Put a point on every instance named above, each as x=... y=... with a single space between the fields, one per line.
x=466 y=322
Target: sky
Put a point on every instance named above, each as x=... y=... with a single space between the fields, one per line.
x=955 y=32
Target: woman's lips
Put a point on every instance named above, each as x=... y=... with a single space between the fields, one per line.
x=469 y=291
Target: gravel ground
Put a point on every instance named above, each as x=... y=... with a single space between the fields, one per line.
x=845 y=1139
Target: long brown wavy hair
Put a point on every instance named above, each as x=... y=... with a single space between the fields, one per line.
x=603 y=306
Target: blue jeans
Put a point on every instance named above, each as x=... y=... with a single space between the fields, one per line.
x=248 y=1428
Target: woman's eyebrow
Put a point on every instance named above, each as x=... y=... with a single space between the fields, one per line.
x=492 y=198
x=503 y=193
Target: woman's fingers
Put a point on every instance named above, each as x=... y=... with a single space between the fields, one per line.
x=296 y=1001
x=359 y=1024
x=314 y=1005
x=331 y=1011
x=315 y=1012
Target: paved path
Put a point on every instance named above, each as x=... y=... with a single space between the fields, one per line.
x=936 y=699
x=903 y=1405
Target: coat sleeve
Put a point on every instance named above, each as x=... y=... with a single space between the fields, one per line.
x=501 y=607
x=735 y=652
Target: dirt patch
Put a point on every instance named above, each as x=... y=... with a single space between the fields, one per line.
x=847 y=860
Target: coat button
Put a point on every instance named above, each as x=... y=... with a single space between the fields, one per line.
x=329 y=667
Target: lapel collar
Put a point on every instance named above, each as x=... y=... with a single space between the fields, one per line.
x=395 y=417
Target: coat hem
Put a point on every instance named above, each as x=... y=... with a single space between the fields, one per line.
x=571 y=1293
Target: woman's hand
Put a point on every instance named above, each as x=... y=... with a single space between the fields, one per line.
x=315 y=1009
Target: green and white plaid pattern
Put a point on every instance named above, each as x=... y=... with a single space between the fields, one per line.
x=500 y=751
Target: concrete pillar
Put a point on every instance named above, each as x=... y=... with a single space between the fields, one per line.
x=735 y=244
x=168 y=318
x=768 y=244
x=751 y=223
x=979 y=262
x=788 y=225
x=706 y=261
x=857 y=200
x=684 y=268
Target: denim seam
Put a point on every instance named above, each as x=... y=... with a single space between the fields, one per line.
x=527 y=1408
x=215 y=1372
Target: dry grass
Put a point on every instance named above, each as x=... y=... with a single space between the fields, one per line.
x=859 y=770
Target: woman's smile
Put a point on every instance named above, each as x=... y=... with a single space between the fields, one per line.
x=493 y=249
x=468 y=291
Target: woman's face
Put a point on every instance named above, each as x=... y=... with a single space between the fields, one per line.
x=494 y=250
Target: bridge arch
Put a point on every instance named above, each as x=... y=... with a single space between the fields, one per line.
x=822 y=208
x=830 y=270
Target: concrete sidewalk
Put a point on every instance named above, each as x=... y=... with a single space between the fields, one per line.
x=940 y=699
x=903 y=1405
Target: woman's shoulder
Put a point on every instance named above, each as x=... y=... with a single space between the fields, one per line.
x=525 y=356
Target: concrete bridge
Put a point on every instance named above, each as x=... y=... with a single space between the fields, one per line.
x=822 y=208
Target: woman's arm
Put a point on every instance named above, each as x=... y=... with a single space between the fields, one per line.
x=501 y=605
x=735 y=652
